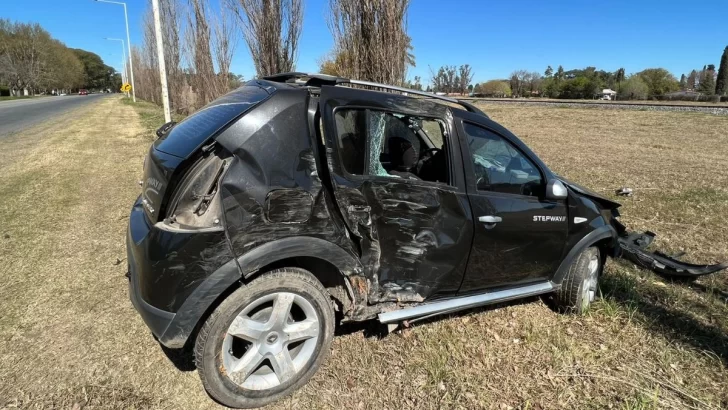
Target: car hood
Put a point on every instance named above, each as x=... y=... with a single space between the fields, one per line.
x=604 y=201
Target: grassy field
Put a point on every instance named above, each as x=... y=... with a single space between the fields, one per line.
x=69 y=337
x=649 y=102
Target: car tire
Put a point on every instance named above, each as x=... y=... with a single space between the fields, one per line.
x=266 y=339
x=579 y=287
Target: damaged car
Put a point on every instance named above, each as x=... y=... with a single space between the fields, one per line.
x=301 y=201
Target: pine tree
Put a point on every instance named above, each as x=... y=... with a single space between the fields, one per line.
x=683 y=82
x=619 y=74
x=707 y=80
x=560 y=73
x=721 y=85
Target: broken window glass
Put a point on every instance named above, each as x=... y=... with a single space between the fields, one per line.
x=386 y=144
x=376 y=126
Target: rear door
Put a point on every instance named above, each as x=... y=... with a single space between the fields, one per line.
x=519 y=234
x=413 y=224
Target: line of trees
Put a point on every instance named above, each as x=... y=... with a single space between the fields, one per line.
x=655 y=83
x=33 y=61
x=451 y=79
x=370 y=43
x=198 y=50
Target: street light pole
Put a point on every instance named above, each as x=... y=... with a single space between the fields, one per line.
x=128 y=44
x=160 y=57
x=123 y=59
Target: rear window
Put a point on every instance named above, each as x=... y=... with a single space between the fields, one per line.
x=195 y=130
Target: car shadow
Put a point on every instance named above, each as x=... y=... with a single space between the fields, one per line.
x=183 y=359
x=374 y=329
x=699 y=287
x=674 y=323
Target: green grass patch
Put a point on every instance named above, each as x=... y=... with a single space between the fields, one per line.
x=151 y=115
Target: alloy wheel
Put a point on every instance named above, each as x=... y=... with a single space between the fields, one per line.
x=270 y=341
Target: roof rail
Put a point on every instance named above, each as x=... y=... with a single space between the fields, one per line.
x=466 y=105
x=317 y=80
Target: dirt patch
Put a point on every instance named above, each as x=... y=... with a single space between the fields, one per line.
x=70 y=337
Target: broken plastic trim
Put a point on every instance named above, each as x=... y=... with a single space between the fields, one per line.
x=196 y=201
x=633 y=247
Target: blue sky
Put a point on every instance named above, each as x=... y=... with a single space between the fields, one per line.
x=495 y=37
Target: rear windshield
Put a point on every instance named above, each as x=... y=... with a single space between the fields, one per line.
x=195 y=130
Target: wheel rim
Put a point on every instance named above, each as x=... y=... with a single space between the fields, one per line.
x=589 y=287
x=270 y=341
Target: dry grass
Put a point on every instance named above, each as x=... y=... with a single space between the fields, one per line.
x=69 y=336
x=648 y=102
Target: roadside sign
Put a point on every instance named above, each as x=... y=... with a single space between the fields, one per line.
x=126 y=87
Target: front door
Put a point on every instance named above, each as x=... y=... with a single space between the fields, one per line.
x=396 y=183
x=519 y=235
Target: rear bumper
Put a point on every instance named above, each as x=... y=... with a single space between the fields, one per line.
x=157 y=320
x=175 y=277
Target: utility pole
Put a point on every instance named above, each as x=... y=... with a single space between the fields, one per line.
x=123 y=61
x=128 y=44
x=160 y=57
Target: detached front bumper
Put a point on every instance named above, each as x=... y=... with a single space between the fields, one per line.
x=633 y=247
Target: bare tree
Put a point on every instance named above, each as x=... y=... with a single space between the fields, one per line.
x=198 y=50
x=171 y=16
x=371 y=41
x=271 y=29
x=465 y=74
x=518 y=81
x=198 y=45
x=224 y=42
x=534 y=80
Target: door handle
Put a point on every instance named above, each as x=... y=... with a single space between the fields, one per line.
x=490 y=219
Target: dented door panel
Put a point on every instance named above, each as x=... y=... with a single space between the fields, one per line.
x=425 y=237
x=414 y=237
x=271 y=189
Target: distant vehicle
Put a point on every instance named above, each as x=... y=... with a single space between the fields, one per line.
x=82 y=92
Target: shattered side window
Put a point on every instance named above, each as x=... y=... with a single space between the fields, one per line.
x=376 y=124
x=350 y=129
x=389 y=144
x=361 y=132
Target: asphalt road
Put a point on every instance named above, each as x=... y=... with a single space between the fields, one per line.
x=16 y=115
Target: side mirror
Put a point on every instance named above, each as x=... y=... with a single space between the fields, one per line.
x=556 y=189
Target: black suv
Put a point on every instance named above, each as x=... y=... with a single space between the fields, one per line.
x=300 y=201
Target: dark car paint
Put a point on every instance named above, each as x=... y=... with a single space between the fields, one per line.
x=169 y=264
x=284 y=195
x=271 y=189
x=519 y=249
x=186 y=137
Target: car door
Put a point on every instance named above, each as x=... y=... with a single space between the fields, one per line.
x=519 y=234
x=414 y=235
